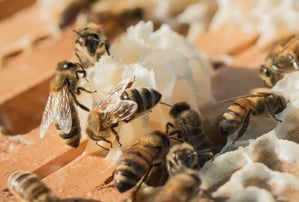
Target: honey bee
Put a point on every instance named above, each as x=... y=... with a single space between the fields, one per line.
x=282 y=59
x=120 y=104
x=184 y=181
x=90 y=44
x=187 y=126
x=60 y=107
x=259 y=101
x=181 y=156
x=28 y=187
x=183 y=186
x=136 y=163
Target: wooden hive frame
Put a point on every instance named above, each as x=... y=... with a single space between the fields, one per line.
x=24 y=81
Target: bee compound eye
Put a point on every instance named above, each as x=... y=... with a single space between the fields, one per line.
x=264 y=70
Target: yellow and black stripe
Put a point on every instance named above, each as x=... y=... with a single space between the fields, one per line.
x=136 y=162
x=28 y=187
x=146 y=98
x=73 y=137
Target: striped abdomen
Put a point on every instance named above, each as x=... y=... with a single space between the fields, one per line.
x=146 y=98
x=28 y=187
x=234 y=116
x=183 y=186
x=132 y=167
x=73 y=137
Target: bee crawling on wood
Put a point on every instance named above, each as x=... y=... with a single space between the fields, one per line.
x=28 y=187
x=120 y=104
x=136 y=163
x=90 y=44
x=60 y=106
x=259 y=101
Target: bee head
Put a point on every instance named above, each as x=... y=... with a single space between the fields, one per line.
x=285 y=60
x=181 y=156
x=179 y=108
x=267 y=75
x=92 y=42
x=89 y=39
x=64 y=65
x=282 y=104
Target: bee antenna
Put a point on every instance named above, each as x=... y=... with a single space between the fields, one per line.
x=77 y=32
x=81 y=66
x=164 y=103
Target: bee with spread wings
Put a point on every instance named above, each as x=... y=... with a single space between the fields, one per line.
x=60 y=107
x=120 y=104
x=109 y=112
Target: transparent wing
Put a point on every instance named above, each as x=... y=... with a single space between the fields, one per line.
x=244 y=96
x=63 y=113
x=113 y=96
x=48 y=115
x=57 y=109
x=125 y=110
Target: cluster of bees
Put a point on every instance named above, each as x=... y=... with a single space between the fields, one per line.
x=282 y=59
x=143 y=160
x=172 y=157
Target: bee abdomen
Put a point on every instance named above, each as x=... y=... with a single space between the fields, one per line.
x=131 y=169
x=231 y=121
x=146 y=98
x=29 y=187
x=73 y=137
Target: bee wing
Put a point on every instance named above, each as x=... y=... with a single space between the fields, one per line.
x=48 y=115
x=126 y=109
x=63 y=110
x=244 y=96
x=57 y=109
x=116 y=92
x=108 y=105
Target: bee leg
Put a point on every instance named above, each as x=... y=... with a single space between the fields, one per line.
x=78 y=103
x=179 y=138
x=130 y=83
x=107 y=46
x=172 y=133
x=134 y=194
x=116 y=134
x=271 y=112
x=166 y=104
x=80 y=72
x=104 y=147
x=106 y=183
x=79 y=89
x=168 y=126
x=244 y=127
